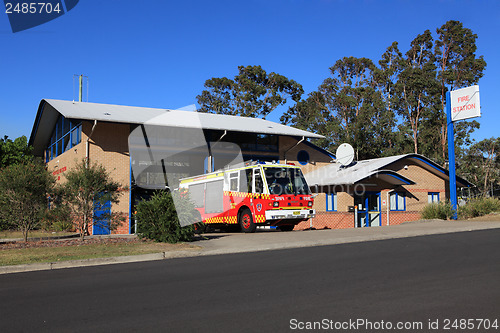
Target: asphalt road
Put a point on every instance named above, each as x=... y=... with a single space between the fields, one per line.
x=408 y=280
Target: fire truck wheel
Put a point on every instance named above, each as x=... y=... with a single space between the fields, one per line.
x=246 y=221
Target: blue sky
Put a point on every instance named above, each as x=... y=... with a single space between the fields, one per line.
x=158 y=53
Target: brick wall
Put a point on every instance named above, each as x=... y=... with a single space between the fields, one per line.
x=416 y=198
x=109 y=150
x=344 y=220
x=109 y=147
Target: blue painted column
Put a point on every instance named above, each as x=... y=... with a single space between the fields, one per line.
x=451 y=157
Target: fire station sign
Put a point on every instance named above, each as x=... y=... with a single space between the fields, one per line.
x=465 y=103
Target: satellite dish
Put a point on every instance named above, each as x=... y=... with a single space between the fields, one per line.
x=345 y=154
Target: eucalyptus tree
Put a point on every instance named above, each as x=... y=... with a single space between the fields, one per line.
x=458 y=67
x=417 y=90
x=252 y=93
x=346 y=108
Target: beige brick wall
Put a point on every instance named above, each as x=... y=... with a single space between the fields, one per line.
x=317 y=158
x=416 y=196
x=426 y=181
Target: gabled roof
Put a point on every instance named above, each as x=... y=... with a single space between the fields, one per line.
x=334 y=174
x=49 y=109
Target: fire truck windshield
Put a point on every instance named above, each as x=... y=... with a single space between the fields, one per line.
x=286 y=181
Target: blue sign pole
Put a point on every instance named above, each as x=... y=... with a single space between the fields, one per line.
x=451 y=157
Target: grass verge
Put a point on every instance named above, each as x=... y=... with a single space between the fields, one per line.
x=85 y=251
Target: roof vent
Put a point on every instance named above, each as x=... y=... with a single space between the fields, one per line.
x=107 y=114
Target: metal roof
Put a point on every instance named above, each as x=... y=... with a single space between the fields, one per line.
x=334 y=174
x=50 y=108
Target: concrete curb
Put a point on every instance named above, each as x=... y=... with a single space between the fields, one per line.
x=37 y=239
x=240 y=243
x=81 y=263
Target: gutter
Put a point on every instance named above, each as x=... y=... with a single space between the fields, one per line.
x=88 y=142
x=388 y=204
x=295 y=145
x=209 y=162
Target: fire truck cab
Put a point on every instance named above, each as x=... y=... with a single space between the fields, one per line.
x=251 y=195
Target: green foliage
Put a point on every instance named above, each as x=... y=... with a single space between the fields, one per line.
x=86 y=185
x=417 y=89
x=252 y=93
x=57 y=218
x=480 y=164
x=479 y=207
x=397 y=107
x=347 y=108
x=23 y=195
x=159 y=220
x=14 y=152
x=458 y=67
x=437 y=210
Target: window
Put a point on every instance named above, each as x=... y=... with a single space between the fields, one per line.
x=303 y=157
x=246 y=180
x=251 y=141
x=432 y=197
x=65 y=135
x=397 y=201
x=233 y=181
x=331 y=202
x=258 y=183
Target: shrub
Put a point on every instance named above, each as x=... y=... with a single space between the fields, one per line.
x=58 y=218
x=157 y=218
x=437 y=210
x=479 y=207
x=23 y=195
x=86 y=186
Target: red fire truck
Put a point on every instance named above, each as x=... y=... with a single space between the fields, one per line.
x=254 y=194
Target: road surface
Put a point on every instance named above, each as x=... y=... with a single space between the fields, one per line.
x=426 y=279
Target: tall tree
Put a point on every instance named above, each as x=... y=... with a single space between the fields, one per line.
x=252 y=93
x=458 y=66
x=347 y=108
x=417 y=88
x=14 y=151
x=311 y=114
x=386 y=77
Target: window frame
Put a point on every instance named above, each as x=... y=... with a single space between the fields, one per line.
x=59 y=134
x=397 y=194
x=333 y=200
x=433 y=195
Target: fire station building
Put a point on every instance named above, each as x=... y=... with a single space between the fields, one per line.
x=376 y=192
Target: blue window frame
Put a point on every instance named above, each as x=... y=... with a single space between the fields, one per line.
x=397 y=201
x=432 y=197
x=66 y=134
x=331 y=202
